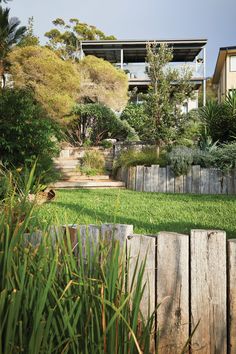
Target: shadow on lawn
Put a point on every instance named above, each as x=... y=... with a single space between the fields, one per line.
x=179 y=227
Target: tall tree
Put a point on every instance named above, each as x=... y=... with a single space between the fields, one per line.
x=56 y=82
x=168 y=91
x=10 y=35
x=65 y=38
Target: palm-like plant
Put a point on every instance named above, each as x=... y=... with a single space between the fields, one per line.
x=10 y=34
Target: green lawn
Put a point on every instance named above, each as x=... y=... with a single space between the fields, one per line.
x=148 y=212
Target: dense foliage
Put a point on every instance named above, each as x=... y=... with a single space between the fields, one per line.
x=169 y=89
x=138 y=119
x=26 y=132
x=55 y=82
x=102 y=83
x=95 y=122
x=220 y=118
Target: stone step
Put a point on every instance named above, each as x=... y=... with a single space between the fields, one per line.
x=74 y=178
x=88 y=184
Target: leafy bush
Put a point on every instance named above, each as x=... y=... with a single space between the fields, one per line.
x=181 y=160
x=27 y=133
x=220 y=118
x=96 y=122
x=106 y=144
x=93 y=163
x=136 y=116
x=225 y=157
x=58 y=300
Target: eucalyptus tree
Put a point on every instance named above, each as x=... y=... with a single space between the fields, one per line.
x=65 y=38
x=10 y=34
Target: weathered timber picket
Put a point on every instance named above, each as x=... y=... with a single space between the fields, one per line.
x=191 y=277
x=162 y=179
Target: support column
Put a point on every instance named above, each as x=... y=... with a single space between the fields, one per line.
x=204 y=76
x=122 y=59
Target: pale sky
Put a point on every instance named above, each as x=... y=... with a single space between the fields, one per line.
x=139 y=19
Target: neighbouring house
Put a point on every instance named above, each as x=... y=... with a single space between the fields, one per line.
x=225 y=71
x=130 y=56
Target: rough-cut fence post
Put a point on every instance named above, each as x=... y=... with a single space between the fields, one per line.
x=196 y=179
x=147 y=179
x=132 y=177
x=139 y=248
x=205 y=181
x=117 y=231
x=154 y=178
x=162 y=179
x=179 y=184
x=232 y=296
x=208 y=291
x=139 y=178
x=172 y=291
x=170 y=183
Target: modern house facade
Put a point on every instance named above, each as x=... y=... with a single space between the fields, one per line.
x=130 y=56
x=225 y=71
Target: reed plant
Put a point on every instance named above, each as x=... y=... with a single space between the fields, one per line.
x=57 y=297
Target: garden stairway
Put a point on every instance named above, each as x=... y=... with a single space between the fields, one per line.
x=68 y=165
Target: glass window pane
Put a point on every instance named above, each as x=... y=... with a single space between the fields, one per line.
x=233 y=63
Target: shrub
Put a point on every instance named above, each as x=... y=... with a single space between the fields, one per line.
x=27 y=133
x=181 y=160
x=225 y=157
x=93 y=163
x=146 y=157
x=106 y=144
x=220 y=119
x=96 y=122
x=136 y=116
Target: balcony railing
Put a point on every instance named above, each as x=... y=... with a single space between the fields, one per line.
x=138 y=71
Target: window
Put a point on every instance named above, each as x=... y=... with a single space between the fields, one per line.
x=232 y=59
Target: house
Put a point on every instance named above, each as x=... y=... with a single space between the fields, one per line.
x=225 y=71
x=130 y=56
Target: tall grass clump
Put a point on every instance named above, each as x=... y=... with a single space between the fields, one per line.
x=93 y=163
x=144 y=157
x=56 y=297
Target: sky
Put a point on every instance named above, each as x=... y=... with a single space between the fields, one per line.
x=141 y=19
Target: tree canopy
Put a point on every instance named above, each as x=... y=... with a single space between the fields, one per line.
x=65 y=38
x=29 y=39
x=56 y=83
x=103 y=83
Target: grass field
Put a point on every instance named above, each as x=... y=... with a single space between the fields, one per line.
x=148 y=212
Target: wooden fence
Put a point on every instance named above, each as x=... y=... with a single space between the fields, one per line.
x=162 y=179
x=192 y=277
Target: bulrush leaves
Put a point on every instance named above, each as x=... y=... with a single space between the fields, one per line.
x=57 y=297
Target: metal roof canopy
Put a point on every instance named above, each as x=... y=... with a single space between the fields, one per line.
x=135 y=50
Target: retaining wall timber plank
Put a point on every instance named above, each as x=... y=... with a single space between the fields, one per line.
x=232 y=295
x=172 y=291
x=139 y=178
x=208 y=291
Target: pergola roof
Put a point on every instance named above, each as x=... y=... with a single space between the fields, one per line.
x=135 y=50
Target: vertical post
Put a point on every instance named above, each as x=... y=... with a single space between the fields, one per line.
x=204 y=76
x=232 y=295
x=122 y=59
x=208 y=291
